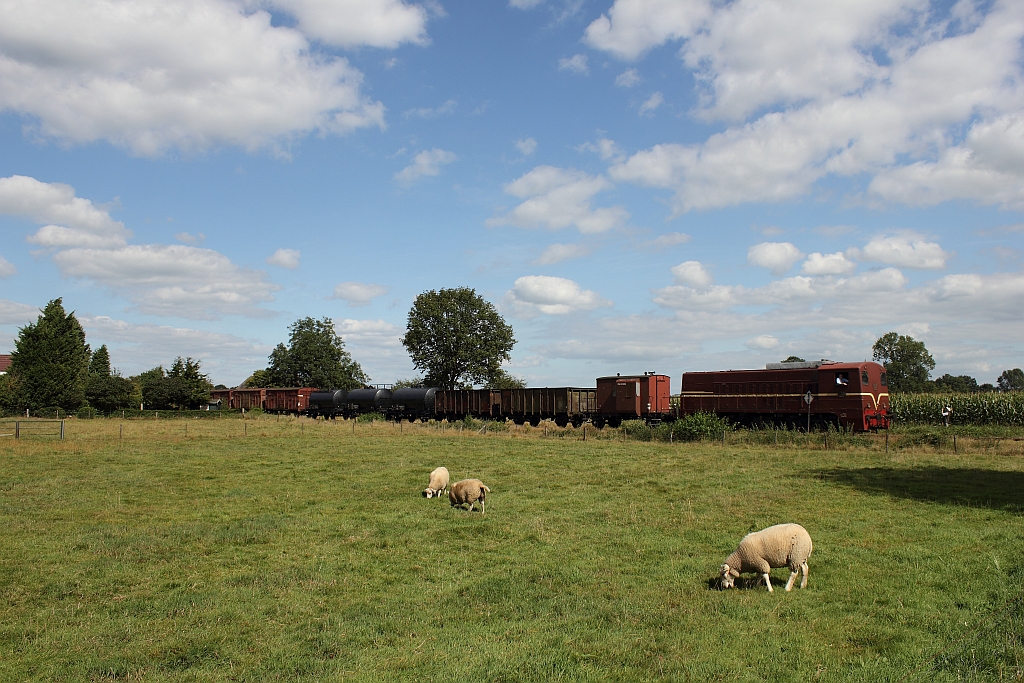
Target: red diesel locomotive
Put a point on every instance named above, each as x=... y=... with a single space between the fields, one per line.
x=850 y=395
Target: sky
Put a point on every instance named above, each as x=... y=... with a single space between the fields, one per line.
x=636 y=185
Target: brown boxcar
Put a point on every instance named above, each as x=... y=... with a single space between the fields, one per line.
x=633 y=397
x=222 y=395
x=248 y=398
x=288 y=400
x=562 y=404
x=852 y=395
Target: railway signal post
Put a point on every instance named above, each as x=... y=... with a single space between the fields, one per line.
x=808 y=397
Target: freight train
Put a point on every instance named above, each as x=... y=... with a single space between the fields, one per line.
x=798 y=395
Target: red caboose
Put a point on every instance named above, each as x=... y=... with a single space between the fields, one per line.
x=852 y=395
x=633 y=397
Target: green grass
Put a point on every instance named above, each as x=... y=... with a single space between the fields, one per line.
x=292 y=550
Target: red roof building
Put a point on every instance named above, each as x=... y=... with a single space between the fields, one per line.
x=5 y=362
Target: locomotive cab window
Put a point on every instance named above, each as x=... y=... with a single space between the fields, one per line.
x=842 y=379
x=884 y=382
x=864 y=377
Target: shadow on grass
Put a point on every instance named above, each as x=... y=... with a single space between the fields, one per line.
x=993 y=489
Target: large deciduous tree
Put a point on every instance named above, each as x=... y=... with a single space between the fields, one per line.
x=1011 y=380
x=457 y=338
x=315 y=357
x=51 y=361
x=907 y=362
x=183 y=386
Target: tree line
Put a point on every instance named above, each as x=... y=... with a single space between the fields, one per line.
x=52 y=367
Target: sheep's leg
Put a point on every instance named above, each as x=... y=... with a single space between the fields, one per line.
x=792 y=580
x=768 y=581
x=482 y=511
x=803 y=583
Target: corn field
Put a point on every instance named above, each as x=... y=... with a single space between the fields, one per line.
x=968 y=409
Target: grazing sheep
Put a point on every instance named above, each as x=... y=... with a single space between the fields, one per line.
x=468 y=491
x=782 y=545
x=438 y=483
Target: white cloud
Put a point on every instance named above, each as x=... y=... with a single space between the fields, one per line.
x=426 y=163
x=651 y=103
x=7 y=268
x=14 y=313
x=607 y=149
x=906 y=250
x=670 y=239
x=557 y=198
x=359 y=293
x=174 y=280
x=433 y=112
x=692 y=273
x=827 y=264
x=778 y=257
x=628 y=78
x=762 y=342
x=81 y=222
x=353 y=23
x=189 y=238
x=577 y=64
x=284 y=258
x=527 y=146
x=377 y=346
x=843 y=88
x=190 y=74
x=134 y=348
x=556 y=253
x=524 y=4
x=551 y=296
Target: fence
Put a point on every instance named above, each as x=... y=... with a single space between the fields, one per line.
x=20 y=428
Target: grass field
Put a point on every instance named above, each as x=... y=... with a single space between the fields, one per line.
x=291 y=550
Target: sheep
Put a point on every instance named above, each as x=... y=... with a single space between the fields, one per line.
x=438 y=483
x=782 y=545
x=468 y=491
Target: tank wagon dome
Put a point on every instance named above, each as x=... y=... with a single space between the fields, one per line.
x=332 y=399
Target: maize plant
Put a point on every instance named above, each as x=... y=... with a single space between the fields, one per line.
x=968 y=409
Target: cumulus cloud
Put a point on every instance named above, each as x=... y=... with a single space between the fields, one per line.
x=14 y=313
x=777 y=257
x=556 y=198
x=524 y=4
x=192 y=74
x=762 y=342
x=527 y=146
x=556 y=253
x=551 y=296
x=227 y=358
x=433 y=112
x=359 y=293
x=285 y=258
x=844 y=88
x=906 y=250
x=605 y=148
x=577 y=64
x=692 y=273
x=651 y=103
x=7 y=268
x=189 y=238
x=79 y=223
x=377 y=344
x=426 y=163
x=173 y=280
x=628 y=78
x=827 y=264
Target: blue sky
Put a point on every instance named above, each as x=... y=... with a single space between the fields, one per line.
x=636 y=184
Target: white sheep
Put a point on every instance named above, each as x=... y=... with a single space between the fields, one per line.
x=438 y=483
x=468 y=491
x=782 y=545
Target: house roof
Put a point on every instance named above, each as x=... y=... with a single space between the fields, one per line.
x=5 y=362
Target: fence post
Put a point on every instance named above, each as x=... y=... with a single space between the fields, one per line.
x=120 y=432
x=887 y=441
x=584 y=432
x=17 y=429
x=62 y=430
x=954 y=444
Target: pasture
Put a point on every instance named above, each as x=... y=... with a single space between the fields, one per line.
x=271 y=549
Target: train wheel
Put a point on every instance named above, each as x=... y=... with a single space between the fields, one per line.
x=598 y=423
x=577 y=422
x=615 y=422
x=519 y=420
x=535 y=420
x=562 y=420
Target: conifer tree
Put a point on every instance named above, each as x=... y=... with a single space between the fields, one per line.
x=51 y=361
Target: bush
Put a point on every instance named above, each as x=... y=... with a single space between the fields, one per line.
x=370 y=417
x=86 y=413
x=700 y=427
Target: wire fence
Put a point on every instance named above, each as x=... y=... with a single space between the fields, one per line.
x=18 y=429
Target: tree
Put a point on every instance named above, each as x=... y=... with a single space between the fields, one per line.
x=1011 y=380
x=794 y=359
x=106 y=390
x=960 y=383
x=503 y=380
x=315 y=357
x=906 y=360
x=457 y=337
x=190 y=387
x=51 y=361
x=260 y=379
